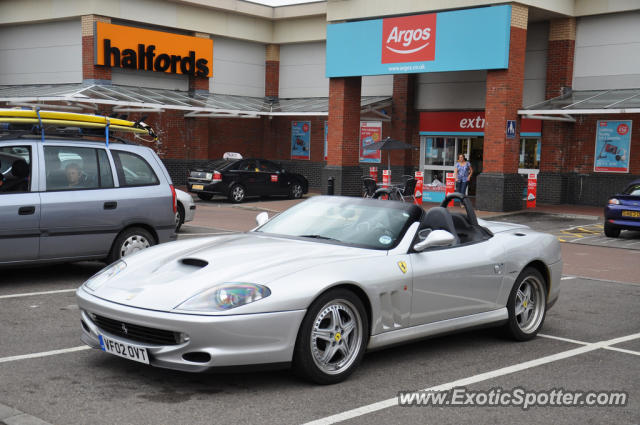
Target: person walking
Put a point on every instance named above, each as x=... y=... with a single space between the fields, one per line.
x=462 y=174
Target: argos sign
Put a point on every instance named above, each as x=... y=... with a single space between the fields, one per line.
x=460 y=40
x=409 y=39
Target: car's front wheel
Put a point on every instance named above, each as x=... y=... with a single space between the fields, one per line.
x=129 y=242
x=296 y=190
x=332 y=339
x=179 y=217
x=611 y=231
x=237 y=194
x=527 y=305
x=205 y=196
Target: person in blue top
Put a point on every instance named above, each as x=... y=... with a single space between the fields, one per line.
x=462 y=174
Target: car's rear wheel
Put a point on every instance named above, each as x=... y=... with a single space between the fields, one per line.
x=332 y=339
x=296 y=190
x=130 y=241
x=611 y=231
x=527 y=305
x=179 y=217
x=205 y=196
x=237 y=194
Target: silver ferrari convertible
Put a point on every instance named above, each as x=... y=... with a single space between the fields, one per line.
x=320 y=284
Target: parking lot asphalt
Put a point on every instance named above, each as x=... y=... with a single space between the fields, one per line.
x=47 y=374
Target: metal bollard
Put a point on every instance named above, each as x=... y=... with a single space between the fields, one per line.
x=331 y=186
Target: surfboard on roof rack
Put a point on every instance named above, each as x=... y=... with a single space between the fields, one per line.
x=71 y=119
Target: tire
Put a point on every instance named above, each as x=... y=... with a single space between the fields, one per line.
x=527 y=305
x=611 y=231
x=205 y=196
x=296 y=190
x=130 y=241
x=347 y=343
x=179 y=217
x=237 y=193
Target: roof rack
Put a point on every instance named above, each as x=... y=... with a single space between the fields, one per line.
x=70 y=125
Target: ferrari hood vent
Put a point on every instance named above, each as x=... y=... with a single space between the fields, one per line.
x=194 y=262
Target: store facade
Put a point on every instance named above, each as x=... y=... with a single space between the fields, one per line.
x=312 y=85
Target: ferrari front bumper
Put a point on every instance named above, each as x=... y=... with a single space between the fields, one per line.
x=236 y=340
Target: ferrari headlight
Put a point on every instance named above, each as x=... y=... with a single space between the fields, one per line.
x=99 y=279
x=225 y=296
x=614 y=201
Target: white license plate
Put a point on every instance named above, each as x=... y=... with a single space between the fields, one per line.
x=123 y=349
x=197 y=187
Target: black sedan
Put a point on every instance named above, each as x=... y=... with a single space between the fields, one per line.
x=623 y=211
x=239 y=178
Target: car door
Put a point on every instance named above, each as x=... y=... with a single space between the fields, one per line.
x=79 y=214
x=251 y=178
x=274 y=181
x=456 y=281
x=19 y=203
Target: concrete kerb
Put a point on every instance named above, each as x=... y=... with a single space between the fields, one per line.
x=11 y=416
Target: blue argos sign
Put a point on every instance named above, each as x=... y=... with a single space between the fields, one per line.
x=470 y=39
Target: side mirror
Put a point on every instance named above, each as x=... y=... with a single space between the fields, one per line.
x=435 y=238
x=262 y=218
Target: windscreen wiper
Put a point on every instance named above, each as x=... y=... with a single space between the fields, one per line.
x=320 y=237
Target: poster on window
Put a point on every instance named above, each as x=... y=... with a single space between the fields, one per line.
x=370 y=132
x=326 y=143
x=300 y=139
x=613 y=141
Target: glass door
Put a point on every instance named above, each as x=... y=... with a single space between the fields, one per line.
x=439 y=156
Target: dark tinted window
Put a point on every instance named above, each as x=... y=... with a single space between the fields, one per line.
x=221 y=164
x=269 y=167
x=133 y=170
x=15 y=169
x=73 y=168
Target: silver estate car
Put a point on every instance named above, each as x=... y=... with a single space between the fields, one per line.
x=66 y=200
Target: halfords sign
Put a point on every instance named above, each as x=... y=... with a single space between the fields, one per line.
x=447 y=41
x=135 y=48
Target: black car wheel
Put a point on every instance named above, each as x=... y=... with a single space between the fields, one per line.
x=611 y=231
x=332 y=339
x=237 y=194
x=205 y=196
x=179 y=217
x=295 y=191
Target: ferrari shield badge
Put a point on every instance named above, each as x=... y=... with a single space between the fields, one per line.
x=403 y=266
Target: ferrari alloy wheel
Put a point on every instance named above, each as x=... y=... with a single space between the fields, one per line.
x=129 y=242
x=333 y=338
x=611 y=231
x=295 y=191
x=527 y=305
x=237 y=194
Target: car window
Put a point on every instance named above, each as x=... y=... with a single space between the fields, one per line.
x=76 y=168
x=269 y=167
x=249 y=165
x=633 y=190
x=15 y=169
x=133 y=170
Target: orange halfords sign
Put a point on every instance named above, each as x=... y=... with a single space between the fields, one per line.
x=135 y=48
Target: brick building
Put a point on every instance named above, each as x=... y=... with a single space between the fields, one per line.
x=567 y=74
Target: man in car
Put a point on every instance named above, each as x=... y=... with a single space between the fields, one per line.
x=74 y=175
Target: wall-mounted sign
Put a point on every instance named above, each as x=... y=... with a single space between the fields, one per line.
x=326 y=143
x=613 y=142
x=470 y=123
x=120 y=46
x=370 y=132
x=447 y=41
x=300 y=139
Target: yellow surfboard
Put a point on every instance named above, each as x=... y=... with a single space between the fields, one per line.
x=69 y=116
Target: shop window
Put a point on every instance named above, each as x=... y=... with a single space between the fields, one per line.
x=529 y=154
x=440 y=151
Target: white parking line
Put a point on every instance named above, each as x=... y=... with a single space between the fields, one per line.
x=622 y=350
x=567 y=277
x=44 y=354
x=559 y=338
x=29 y=294
x=354 y=413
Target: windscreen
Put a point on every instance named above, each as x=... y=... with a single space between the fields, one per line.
x=373 y=224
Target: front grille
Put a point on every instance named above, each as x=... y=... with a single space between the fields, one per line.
x=137 y=332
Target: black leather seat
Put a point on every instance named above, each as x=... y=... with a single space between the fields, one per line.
x=439 y=218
